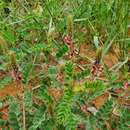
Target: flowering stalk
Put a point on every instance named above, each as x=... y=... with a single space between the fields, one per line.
x=70 y=26
x=97 y=68
x=15 y=73
x=68 y=39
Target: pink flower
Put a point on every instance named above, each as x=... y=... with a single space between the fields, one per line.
x=68 y=40
x=16 y=75
x=126 y=85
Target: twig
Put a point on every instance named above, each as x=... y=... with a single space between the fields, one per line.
x=36 y=87
x=102 y=79
x=81 y=67
x=114 y=66
x=87 y=58
x=121 y=64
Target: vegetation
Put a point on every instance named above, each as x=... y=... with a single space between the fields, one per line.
x=64 y=65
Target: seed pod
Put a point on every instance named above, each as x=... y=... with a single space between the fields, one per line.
x=3 y=46
x=70 y=26
x=12 y=58
x=98 y=55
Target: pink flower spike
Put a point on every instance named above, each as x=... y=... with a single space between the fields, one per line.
x=68 y=40
x=16 y=76
x=126 y=85
x=13 y=74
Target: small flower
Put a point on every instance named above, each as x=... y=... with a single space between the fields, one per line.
x=94 y=70
x=16 y=75
x=126 y=85
x=97 y=69
x=68 y=40
x=19 y=77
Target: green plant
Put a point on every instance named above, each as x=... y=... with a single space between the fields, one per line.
x=32 y=46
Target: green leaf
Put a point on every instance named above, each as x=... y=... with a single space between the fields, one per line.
x=62 y=51
x=38 y=119
x=14 y=112
x=64 y=107
x=96 y=42
x=9 y=36
x=52 y=70
x=69 y=68
x=28 y=101
x=3 y=123
x=27 y=72
x=38 y=48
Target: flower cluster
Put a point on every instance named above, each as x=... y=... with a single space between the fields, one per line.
x=68 y=40
x=15 y=73
x=97 y=69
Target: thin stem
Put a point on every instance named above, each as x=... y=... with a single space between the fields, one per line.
x=24 y=114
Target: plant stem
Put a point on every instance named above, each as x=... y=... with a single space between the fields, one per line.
x=24 y=114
